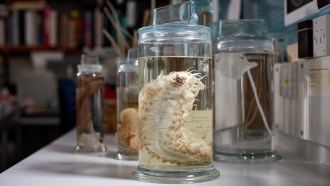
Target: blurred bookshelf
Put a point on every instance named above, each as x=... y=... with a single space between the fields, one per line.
x=67 y=25
x=37 y=25
x=40 y=46
x=64 y=26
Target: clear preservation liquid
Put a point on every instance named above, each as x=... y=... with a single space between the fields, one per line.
x=175 y=112
x=239 y=125
x=89 y=110
x=127 y=114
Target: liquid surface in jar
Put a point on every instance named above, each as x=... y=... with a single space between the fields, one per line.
x=175 y=111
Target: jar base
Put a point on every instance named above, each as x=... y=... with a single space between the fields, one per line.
x=120 y=156
x=246 y=157
x=101 y=148
x=174 y=177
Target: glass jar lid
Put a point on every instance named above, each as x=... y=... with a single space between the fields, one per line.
x=175 y=24
x=246 y=35
x=90 y=64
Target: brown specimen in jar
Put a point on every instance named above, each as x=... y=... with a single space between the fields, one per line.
x=87 y=86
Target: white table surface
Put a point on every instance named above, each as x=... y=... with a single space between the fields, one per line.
x=58 y=164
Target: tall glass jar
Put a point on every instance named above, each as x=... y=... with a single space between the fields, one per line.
x=89 y=105
x=243 y=92
x=175 y=101
x=128 y=140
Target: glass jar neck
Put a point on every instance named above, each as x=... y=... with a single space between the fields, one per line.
x=243 y=28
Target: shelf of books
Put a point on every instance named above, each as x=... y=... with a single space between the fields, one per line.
x=36 y=25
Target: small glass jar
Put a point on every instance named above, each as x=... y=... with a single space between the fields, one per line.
x=89 y=105
x=175 y=101
x=128 y=140
x=244 y=58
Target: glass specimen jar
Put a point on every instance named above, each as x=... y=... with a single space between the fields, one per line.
x=89 y=105
x=243 y=92
x=128 y=140
x=175 y=101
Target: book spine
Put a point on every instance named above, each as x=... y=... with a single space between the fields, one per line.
x=34 y=28
x=3 y=17
x=14 y=28
x=47 y=25
x=64 y=30
x=79 y=32
x=2 y=32
x=71 y=33
x=98 y=28
x=29 y=28
x=88 y=39
x=39 y=27
x=21 y=30
x=53 y=28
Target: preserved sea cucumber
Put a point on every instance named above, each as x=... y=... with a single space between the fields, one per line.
x=164 y=105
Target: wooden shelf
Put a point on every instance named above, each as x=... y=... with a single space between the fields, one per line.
x=22 y=49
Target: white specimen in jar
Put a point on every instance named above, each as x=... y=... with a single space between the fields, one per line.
x=164 y=105
x=233 y=66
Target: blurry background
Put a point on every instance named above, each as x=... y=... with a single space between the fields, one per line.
x=40 y=46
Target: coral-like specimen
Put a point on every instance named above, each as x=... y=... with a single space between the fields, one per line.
x=127 y=130
x=164 y=106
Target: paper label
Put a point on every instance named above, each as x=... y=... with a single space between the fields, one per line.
x=318 y=79
x=200 y=122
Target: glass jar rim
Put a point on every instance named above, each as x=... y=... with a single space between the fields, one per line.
x=90 y=68
x=175 y=30
x=243 y=28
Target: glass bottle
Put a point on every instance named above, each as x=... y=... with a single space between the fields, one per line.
x=127 y=107
x=89 y=105
x=243 y=92
x=175 y=101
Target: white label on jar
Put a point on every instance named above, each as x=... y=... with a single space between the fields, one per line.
x=200 y=122
x=318 y=79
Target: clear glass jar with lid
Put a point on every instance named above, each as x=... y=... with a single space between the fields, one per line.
x=175 y=101
x=89 y=105
x=128 y=140
x=244 y=57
